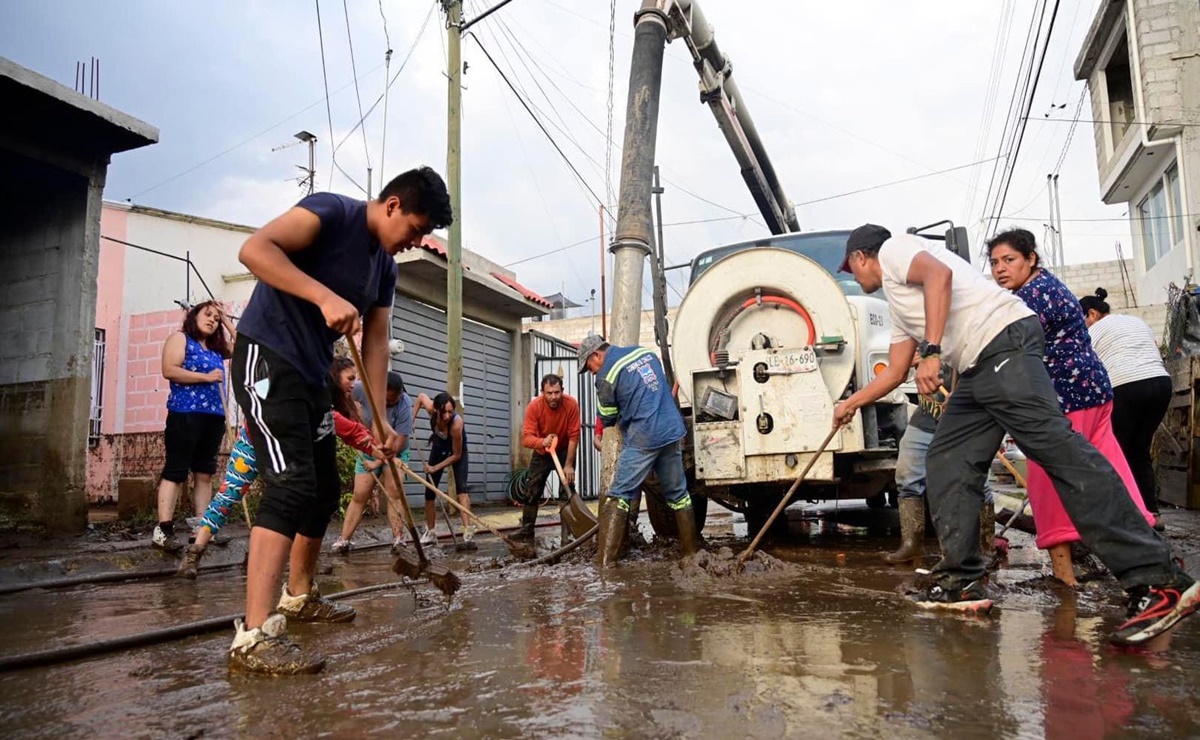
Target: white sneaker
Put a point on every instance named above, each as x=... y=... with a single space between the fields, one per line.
x=164 y=541
x=267 y=650
x=429 y=537
x=341 y=547
x=397 y=545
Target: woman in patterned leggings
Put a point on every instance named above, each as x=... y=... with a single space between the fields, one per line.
x=242 y=468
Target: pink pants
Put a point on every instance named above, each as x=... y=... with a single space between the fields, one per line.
x=1054 y=527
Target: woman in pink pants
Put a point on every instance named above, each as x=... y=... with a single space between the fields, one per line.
x=1082 y=384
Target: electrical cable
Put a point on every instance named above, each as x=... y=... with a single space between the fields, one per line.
x=532 y=115
x=354 y=73
x=1029 y=104
x=1004 y=146
x=325 y=78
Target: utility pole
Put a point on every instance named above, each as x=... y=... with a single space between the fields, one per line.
x=454 y=319
x=1057 y=215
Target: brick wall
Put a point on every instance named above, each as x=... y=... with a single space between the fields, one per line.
x=146 y=389
x=1161 y=37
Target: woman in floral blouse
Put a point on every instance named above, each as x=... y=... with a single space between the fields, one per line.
x=1080 y=380
x=193 y=361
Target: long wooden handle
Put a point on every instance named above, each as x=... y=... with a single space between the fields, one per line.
x=391 y=463
x=459 y=507
x=787 y=497
x=561 y=475
x=1012 y=469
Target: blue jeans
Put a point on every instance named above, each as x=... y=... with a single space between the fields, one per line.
x=910 y=465
x=634 y=464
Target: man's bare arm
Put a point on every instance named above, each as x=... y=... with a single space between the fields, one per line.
x=936 y=280
x=266 y=252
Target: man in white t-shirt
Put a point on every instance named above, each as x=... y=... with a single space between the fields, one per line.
x=939 y=302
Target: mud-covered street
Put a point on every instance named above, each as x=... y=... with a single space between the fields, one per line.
x=822 y=645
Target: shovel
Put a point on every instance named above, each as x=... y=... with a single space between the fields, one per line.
x=518 y=549
x=578 y=517
x=741 y=561
x=439 y=575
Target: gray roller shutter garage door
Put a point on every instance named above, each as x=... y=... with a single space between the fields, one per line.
x=487 y=358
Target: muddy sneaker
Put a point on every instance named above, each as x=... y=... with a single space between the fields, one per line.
x=268 y=651
x=341 y=547
x=468 y=539
x=969 y=598
x=312 y=607
x=429 y=537
x=219 y=539
x=165 y=541
x=397 y=546
x=1155 y=609
x=190 y=567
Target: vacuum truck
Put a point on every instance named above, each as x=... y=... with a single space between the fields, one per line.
x=768 y=337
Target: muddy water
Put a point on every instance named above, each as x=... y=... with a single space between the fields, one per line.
x=825 y=647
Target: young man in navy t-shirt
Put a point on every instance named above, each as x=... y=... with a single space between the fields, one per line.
x=321 y=266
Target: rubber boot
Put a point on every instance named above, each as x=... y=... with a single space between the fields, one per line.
x=685 y=521
x=528 y=520
x=912 y=531
x=612 y=533
x=987 y=531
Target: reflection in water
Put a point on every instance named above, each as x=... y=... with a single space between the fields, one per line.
x=818 y=650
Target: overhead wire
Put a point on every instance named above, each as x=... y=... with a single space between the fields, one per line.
x=537 y=120
x=354 y=73
x=325 y=79
x=1004 y=145
x=1016 y=150
x=608 y=137
x=991 y=93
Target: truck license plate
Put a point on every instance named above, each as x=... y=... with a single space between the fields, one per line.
x=798 y=361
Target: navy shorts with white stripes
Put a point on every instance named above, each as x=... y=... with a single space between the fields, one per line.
x=291 y=427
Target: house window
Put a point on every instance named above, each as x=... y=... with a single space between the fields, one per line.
x=1175 y=203
x=97 y=405
x=1161 y=217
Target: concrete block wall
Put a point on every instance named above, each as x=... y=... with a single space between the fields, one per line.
x=1083 y=279
x=48 y=250
x=1164 y=29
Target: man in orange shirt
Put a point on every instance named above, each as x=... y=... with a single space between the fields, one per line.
x=552 y=424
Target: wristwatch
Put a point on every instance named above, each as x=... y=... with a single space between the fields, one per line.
x=929 y=350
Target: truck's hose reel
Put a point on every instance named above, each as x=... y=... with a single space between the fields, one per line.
x=719 y=338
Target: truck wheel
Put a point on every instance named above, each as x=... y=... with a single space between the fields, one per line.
x=760 y=510
x=662 y=519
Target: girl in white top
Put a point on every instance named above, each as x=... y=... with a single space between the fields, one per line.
x=1141 y=386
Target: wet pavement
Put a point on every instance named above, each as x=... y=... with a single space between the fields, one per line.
x=826 y=646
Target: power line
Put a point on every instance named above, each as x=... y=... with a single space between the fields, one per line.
x=535 y=118
x=1020 y=133
x=354 y=73
x=608 y=143
x=1070 y=133
x=1126 y=219
x=992 y=91
x=1004 y=146
x=895 y=182
x=392 y=81
x=247 y=140
x=386 y=37
x=1161 y=124
x=325 y=78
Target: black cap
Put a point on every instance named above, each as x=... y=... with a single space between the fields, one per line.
x=867 y=236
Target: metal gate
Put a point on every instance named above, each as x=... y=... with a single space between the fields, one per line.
x=553 y=355
x=487 y=369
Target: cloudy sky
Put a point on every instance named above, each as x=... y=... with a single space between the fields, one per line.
x=847 y=96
